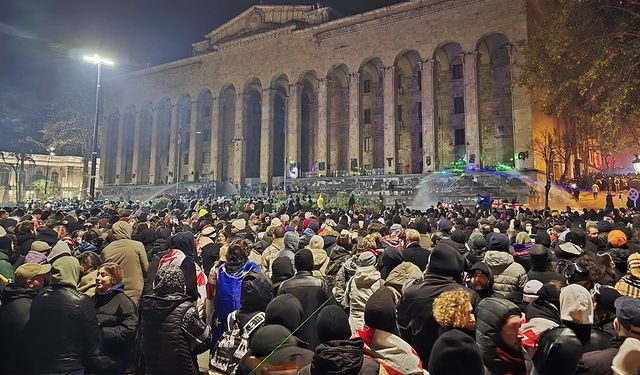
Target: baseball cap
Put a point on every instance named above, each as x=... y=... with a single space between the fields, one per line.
x=628 y=313
x=28 y=271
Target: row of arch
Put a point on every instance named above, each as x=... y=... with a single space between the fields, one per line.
x=245 y=128
x=7 y=176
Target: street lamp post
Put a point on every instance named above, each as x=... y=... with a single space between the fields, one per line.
x=46 y=181
x=99 y=61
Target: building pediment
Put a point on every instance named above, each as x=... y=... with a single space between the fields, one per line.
x=260 y=19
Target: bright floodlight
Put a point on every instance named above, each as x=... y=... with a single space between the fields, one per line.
x=97 y=59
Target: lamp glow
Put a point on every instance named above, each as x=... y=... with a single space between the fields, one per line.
x=97 y=59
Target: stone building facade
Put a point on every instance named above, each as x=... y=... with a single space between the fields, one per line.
x=407 y=89
x=60 y=176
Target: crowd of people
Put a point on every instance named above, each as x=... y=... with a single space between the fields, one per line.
x=120 y=288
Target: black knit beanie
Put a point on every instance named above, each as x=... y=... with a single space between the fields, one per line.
x=304 y=260
x=333 y=324
x=455 y=353
x=445 y=261
x=380 y=311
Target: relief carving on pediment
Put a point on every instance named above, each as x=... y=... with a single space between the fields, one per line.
x=255 y=20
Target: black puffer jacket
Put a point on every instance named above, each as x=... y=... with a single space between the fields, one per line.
x=169 y=329
x=118 y=318
x=67 y=319
x=344 y=357
x=415 y=312
x=14 y=315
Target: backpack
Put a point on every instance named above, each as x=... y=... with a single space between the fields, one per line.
x=234 y=344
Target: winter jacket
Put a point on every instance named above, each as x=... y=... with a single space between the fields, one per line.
x=498 y=359
x=390 y=258
x=337 y=257
x=6 y=269
x=172 y=334
x=270 y=253
x=312 y=292
x=329 y=236
x=118 y=319
x=343 y=276
x=67 y=319
x=400 y=276
x=361 y=286
x=417 y=255
x=14 y=315
x=210 y=254
x=87 y=283
x=509 y=276
x=24 y=241
x=131 y=256
x=415 y=311
x=599 y=362
x=341 y=357
x=320 y=261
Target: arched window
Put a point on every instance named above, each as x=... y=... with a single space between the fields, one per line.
x=5 y=173
x=54 y=178
x=38 y=176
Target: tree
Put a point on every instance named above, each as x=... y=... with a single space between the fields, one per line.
x=69 y=125
x=582 y=63
x=565 y=146
x=545 y=147
x=20 y=121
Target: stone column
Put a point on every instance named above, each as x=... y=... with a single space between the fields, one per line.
x=428 y=117
x=523 y=130
x=240 y=143
x=173 y=144
x=120 y=162
x=214 y=167
x=471 y=115
x=103 y=152
x=354 y=121
x=390 y=144
x=266 y=137
x=135 y=176
x=193 y=140
x=321 y=149
x=154 y=146
x=293 y=127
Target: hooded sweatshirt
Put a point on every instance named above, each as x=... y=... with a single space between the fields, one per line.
x=403 y=274
x=131 y=256
x=291 y=243
x=361 y=286
x=320 y=257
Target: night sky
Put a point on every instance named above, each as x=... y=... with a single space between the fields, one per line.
x=42 y=41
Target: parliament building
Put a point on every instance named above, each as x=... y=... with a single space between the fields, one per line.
x=407 y=89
